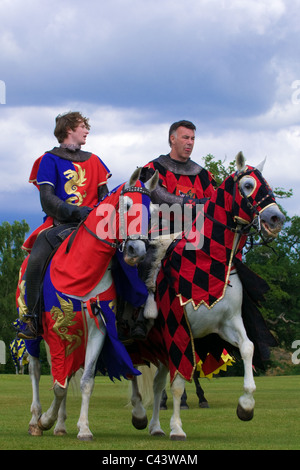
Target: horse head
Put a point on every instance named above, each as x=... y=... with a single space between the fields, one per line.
x=134 y=214
x=256 y=200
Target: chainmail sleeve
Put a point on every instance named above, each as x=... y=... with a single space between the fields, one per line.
x=161 y=196
x=54 y=207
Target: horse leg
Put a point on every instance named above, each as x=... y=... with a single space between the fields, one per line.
x=236 y=335
x=48 y=418
x=60 y=428
x=203 y=403
x=34 y=369
x=177 y=389
x=139 y=416
x=95 y=343
x=159 y=384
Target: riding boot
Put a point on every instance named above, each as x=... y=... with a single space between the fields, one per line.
x=139 y=330
x=34 y=272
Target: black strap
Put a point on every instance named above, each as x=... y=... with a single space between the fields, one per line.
x=114 y=245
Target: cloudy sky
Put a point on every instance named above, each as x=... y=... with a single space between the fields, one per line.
x=134 y=67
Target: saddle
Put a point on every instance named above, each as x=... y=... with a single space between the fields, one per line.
x=54 y=236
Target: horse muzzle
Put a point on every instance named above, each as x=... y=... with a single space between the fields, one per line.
x=272 y=220
x=134 y=251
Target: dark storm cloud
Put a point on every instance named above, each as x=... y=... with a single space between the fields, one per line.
x=135 y=66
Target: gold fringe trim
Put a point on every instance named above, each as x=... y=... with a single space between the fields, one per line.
x=228 y=361
x=202 y=302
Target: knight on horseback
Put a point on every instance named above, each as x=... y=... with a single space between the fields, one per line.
x=71 y=181
x=182 y=183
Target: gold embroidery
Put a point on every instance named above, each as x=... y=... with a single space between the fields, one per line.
x=75 y=180
x=112 y=305
x=63 y=320
x=23 y=310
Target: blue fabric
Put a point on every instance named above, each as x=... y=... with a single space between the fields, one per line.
x=33 y=346
x=128 y=284
x=114 y=359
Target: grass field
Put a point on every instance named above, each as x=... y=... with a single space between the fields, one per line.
x=276 y=423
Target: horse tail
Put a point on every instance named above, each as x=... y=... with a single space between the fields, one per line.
x=145 y=383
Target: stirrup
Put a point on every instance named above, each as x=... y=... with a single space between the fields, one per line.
x=29 y=316
x=30 y=332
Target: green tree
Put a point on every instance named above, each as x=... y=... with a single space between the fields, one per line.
x=11 y=257
x=280 y=267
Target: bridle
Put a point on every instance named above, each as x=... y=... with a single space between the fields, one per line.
x=120 y=245
x=255 y=223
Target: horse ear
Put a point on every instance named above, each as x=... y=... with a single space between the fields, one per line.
x=135 y=176
x=240 y=162
x=261 y=165
x=152 y=182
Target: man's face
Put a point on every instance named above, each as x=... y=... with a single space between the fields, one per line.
x=79 y=135
x=182 y=144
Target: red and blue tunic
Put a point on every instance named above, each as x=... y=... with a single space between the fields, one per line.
x=74 y=182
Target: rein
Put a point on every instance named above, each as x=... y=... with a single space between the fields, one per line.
x=255 y=223
x=120 y=245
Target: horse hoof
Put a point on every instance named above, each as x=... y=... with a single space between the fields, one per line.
x=178 y=437
x=184 y=406
x=203 y=404
x=85 y=437
x=244 y=415
x=139 y=423
x=35 y=430
x=158 y=433
x=60 y=433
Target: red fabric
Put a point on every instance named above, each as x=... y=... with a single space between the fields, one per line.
x=211 y=365
x=66 y=356
x=81 y=269
x=198 y=267
x=28 y=244
x=34 y=171
x=197 y=186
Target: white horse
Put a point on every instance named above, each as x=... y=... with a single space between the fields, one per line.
x=251 y=204
x=130 y=206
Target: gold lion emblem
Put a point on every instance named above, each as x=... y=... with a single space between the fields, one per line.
x=64 y=318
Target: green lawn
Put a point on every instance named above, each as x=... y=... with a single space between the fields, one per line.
x=276 y=423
